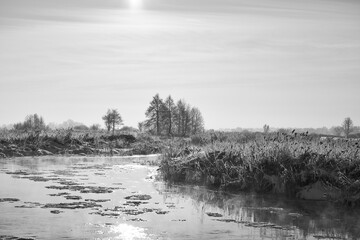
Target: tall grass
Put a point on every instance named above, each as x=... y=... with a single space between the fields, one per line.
x=280 y=163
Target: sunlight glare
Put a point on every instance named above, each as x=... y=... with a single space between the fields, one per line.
x=135 y=4
x=128 y=232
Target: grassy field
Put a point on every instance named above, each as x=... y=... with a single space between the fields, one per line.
x=297 y=165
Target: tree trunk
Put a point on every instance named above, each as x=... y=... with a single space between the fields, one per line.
x=157 y=122
x=170 y=123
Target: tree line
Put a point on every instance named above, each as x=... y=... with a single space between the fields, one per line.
x=36 y=123
x=32 y=122
x=346 y=129
x=165 y=117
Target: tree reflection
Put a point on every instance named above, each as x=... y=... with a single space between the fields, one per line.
x=275 y=216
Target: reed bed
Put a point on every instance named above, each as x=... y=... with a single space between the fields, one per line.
x=291 y=164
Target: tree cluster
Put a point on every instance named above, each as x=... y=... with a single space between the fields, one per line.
x=165 y=117
x=32 y=122
x=71 y=124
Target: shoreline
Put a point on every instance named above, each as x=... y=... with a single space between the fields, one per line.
x=313 y=192
x=77 y=144
x=84 y=156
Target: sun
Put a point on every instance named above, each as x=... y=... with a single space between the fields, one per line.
x=135 y=4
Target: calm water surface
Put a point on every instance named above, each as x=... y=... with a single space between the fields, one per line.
x=105 y=189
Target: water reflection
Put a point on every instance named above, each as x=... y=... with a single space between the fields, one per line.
x=107 y=208
x=128 y=232
x=276 y=217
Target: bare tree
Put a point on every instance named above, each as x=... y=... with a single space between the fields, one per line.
x=116 y=119
x=153 y=113
x=107 y=120
x=347 y=126
x=196 y=121
x=112 y=119
x=187 y=120
x=266 y=128
x=181 y=117
x=169 y=114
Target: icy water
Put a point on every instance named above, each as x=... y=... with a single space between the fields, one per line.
x=120 y=198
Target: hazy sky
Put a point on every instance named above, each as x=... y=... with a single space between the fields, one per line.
x=243 y=63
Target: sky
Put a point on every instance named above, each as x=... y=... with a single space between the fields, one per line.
x=243 y=63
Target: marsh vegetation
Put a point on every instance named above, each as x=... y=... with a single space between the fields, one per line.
x=298 y=165
x=292 y=164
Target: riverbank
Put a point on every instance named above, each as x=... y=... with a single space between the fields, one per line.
x=72 y=143
x=298 y=166
x=295 y=165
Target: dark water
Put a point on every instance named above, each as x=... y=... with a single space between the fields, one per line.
x=160 y=212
